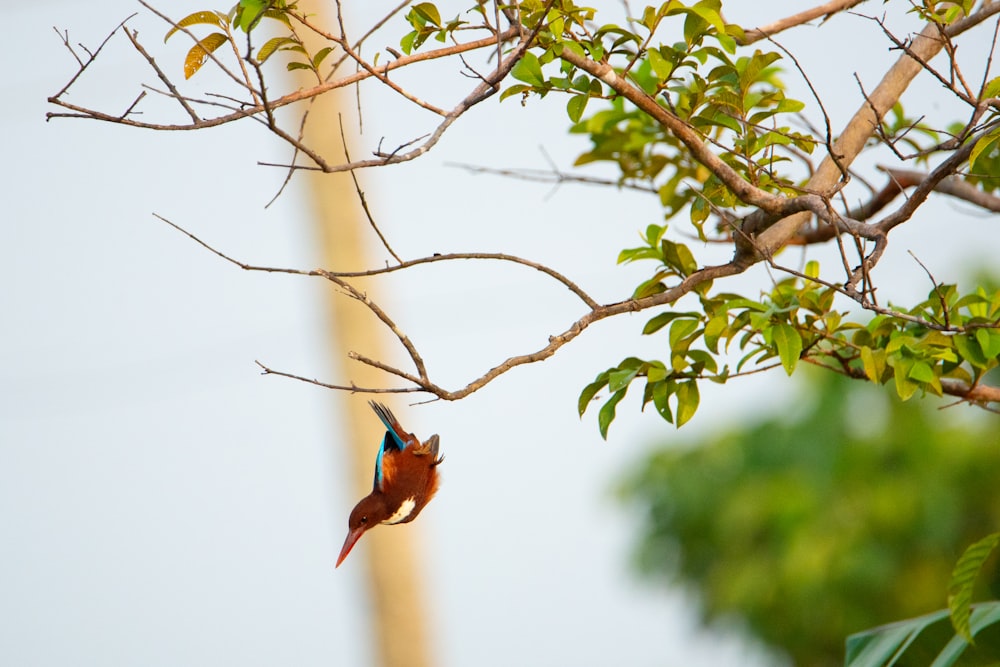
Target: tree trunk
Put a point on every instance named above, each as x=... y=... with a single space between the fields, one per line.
x=397 y=607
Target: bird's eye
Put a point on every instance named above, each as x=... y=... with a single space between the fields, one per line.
x=364 y=519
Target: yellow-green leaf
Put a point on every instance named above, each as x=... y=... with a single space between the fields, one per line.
x=619 y=379
x=687 y=401
x=789 y=344
x=989 y=342
x=984 y=144
x=921 y=372
x=661 y=66
x=428 y=12
x=320 y=55
x=991 y=89
x=874 y=363
x=270 y=46
x=199 y=52
x=251 y=12
x=576 y=106
x=905 y=387
x=963 y=578
x=211 y=18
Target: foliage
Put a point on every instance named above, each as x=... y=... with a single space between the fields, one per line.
x=845 y=512
x=696 y=109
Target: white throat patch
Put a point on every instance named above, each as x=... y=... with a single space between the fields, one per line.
x=405 y=508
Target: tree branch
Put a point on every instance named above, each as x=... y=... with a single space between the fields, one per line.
x=825 y=10
x=422 y=381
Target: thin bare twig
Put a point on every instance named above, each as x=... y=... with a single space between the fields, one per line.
x=553 y=175
x=91 y=56
x=353 y=388
x=422 y=381
x=513 y=259
x=362 y=198
x=937 y=289
x=285 y=100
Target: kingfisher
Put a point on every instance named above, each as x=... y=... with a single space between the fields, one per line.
x=406 y=479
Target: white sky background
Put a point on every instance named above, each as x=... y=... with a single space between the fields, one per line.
x=163 y=504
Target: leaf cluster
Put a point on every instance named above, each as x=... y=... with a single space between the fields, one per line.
x=948 y=336
x=246 y=16
x=425 y=19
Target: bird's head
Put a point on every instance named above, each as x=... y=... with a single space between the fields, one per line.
x=370 y=512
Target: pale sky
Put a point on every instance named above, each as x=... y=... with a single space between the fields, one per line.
x=163 y=504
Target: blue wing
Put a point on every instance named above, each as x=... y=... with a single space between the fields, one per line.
x=392 y=440
x=378 y=461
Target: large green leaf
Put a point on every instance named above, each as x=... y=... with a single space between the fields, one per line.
x=529 y=70
x=928 y=640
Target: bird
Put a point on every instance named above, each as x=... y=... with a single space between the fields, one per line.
x=406 y=479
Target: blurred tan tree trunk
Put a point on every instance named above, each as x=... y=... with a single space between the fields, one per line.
x=398 y=607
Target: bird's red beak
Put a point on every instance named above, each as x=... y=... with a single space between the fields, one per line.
x=352 y=538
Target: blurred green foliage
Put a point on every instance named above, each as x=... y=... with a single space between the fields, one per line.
x=847 y=511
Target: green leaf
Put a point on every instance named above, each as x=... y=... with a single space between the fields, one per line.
x=661 y=66
x=989 y=342
x=208 y=18
x=679 y=330
x=789 y=344
x=714 y=328
x=921 y=371
x=687 y=401
x=428 y=12
x=984 y=146
x=272 y=45
x=874 y=363
x=663 y=319
x=963 y=579
x=661 y=399
x=529 y=70
x=656 y=372
x=516 y=89
x=607 y=413
x=406 y=43
x=619 y=379
x=649 y=288
x=971 y=350
x=991 y=89
x=588 y=393
x=905 y=387
x=278 y=15
x=252 y=11
x=199 y=53
x=576 y=106
x=924 y=641
x=291 y=66
x=320 y=55
x=678 y=256
x=710 y=14
x=745 y=303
